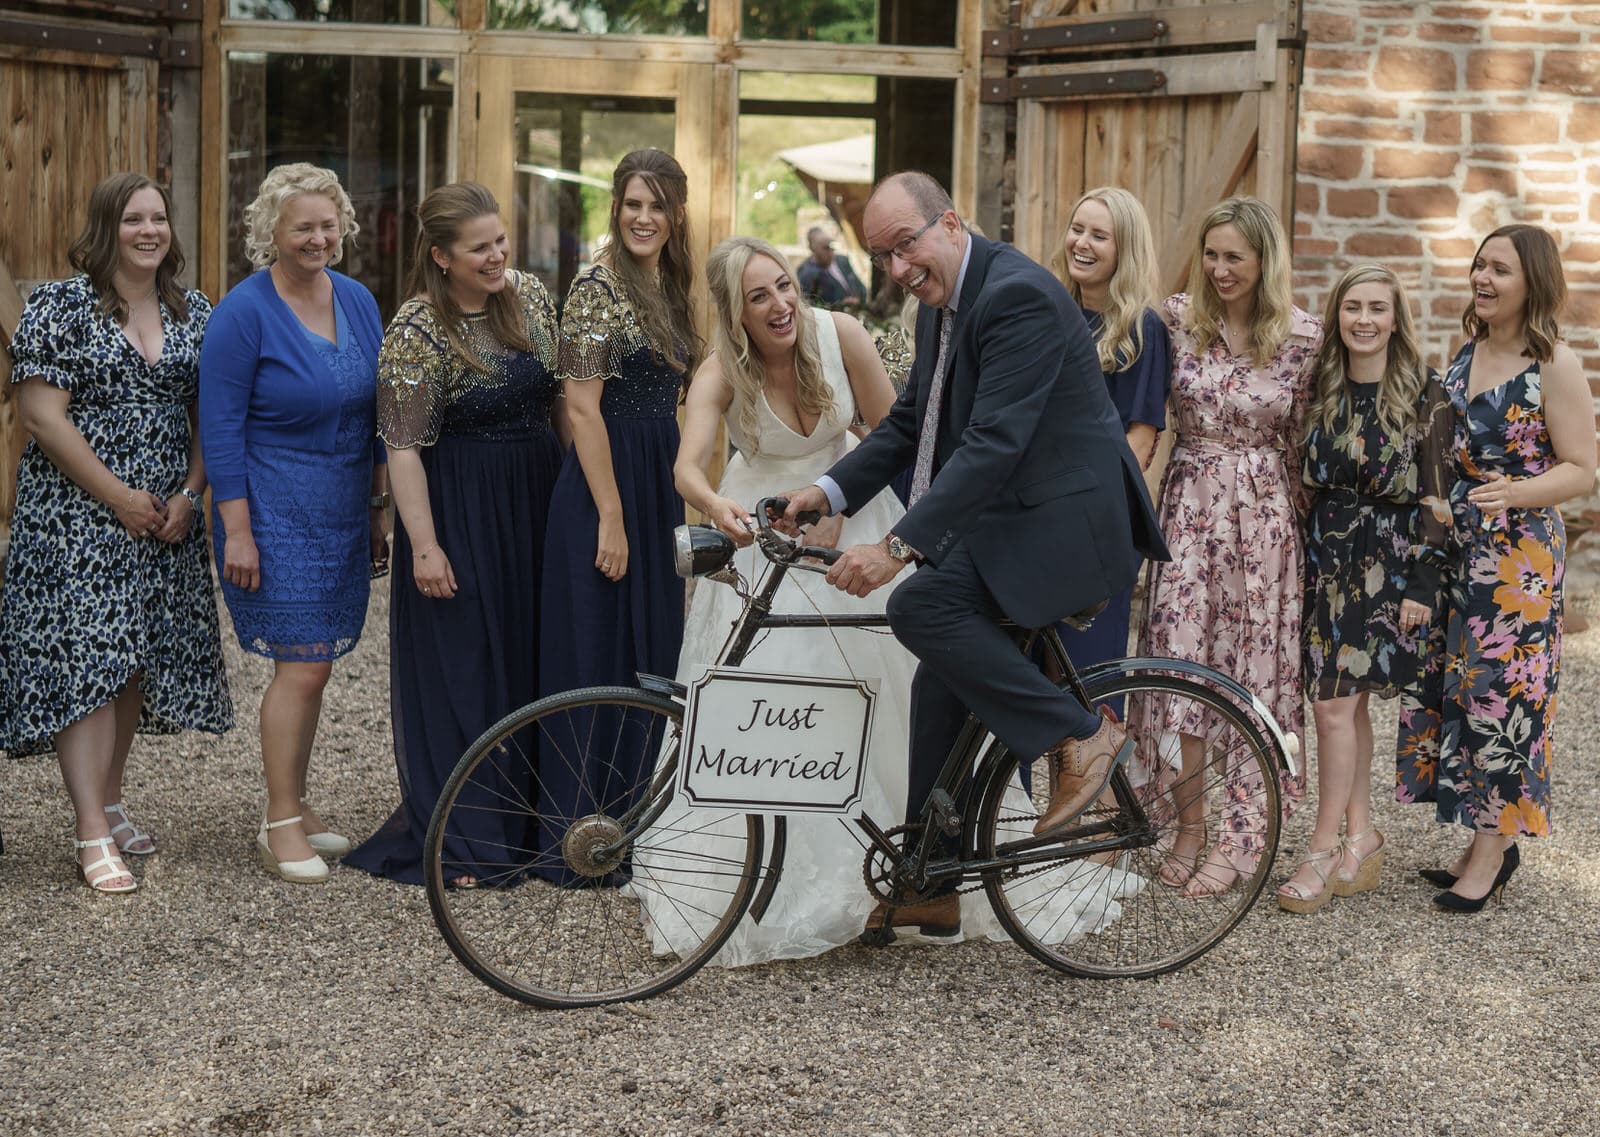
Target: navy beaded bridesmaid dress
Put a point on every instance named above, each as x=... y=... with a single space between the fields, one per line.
x=593 y=631
x=459 y=665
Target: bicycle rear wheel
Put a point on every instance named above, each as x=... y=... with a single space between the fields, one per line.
x=617 y=895
x=1130 y=912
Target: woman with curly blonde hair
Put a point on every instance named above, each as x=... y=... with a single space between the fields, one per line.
x=1231 y=500
x=288 y=388
x=1377 y=451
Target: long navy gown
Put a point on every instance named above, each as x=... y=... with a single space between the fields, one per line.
x=459 y=665
x=593 y=631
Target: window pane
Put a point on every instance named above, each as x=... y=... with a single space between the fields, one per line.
x=907 y=22
x=601 y=17
x=797 y=87
x=426 y=13
x=566 y=149
x=383 y=125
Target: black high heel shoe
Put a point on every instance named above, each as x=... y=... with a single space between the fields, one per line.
x=1444 y=878
x=1454 y=902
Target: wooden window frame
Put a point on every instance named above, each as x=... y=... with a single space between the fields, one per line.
x=706 y=71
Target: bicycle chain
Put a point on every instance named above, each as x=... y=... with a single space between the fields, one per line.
x=875 y=852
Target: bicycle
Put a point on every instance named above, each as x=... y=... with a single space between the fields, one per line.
x=600 y=907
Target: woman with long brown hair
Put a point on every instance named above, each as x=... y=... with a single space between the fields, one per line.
x=613 y=605
x=466 y=383
x=1478 y=743
x=107 y=622
x=1376 y=454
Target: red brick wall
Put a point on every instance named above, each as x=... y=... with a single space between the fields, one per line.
x=1425 y=125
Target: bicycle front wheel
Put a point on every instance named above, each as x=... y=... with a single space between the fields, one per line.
x=1203 y=775
x=560 y=868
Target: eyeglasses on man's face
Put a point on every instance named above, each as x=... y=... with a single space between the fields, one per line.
x=904 y=247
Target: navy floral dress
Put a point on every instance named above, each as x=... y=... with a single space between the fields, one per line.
x=85 y=606
x=1477 y=740
x=1377 y=534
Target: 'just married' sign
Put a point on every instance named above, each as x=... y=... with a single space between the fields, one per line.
x=776 y=743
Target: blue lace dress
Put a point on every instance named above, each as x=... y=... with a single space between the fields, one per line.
x=85 y=606
x=595 y=632
x=309 y=518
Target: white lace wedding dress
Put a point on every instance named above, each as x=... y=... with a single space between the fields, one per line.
x=821 y=901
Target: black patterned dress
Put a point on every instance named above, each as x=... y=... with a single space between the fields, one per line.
x=85 y=606
x=1377 y=534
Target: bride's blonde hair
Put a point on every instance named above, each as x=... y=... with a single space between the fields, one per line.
x=742 y=368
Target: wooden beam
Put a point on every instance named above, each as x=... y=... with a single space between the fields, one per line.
x=12 y=437
x=969 y=89
x=850 y=59
x=338 y=39
x=93 y=60
x=212 y=256
x=1235 y=150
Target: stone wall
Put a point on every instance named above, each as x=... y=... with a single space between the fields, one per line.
x=1425 y=125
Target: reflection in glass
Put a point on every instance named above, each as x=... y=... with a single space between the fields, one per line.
x=907 y=22
x=796 y=171
x=427 y=13
x=566 y=149
x=805 y=87
x=383 y=125
x=601 y=17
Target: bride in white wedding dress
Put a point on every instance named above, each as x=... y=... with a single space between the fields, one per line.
x=789 y=381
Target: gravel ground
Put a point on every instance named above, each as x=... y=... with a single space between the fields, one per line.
x=220 y=1001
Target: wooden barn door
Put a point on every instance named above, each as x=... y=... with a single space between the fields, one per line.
x=1181 y=102
x=68 y=121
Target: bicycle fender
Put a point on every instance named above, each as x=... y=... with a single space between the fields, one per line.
x=1287 y=747
x=658 y=685
x=780 y=841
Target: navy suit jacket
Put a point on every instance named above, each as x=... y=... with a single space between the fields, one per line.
x=1032 y=473
x=819 y=284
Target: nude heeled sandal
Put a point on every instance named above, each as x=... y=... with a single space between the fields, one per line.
x=1367 y=867
x=312 y=870
x=111 y=861
x=1296 y=900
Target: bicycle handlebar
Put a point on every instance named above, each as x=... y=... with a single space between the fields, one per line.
x=777 y=548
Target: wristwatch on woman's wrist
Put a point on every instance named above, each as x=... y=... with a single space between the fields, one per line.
x=191 y=496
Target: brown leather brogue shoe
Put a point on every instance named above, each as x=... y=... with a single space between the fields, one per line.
x=938 y=918
x=1081 y=769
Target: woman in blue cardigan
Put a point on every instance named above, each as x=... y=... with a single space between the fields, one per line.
x=288 y=383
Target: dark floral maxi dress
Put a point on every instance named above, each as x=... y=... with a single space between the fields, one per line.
x=1477 y=739
x=1377 y=534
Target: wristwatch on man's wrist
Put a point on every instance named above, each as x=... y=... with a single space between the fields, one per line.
x=899 y=550
x=379 y=501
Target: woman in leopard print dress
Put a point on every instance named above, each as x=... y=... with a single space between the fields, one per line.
x=108 y=622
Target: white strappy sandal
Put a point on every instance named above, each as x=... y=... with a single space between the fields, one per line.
x=312 y=870
x=111 y=861
x=136 y=835
x=328 y=843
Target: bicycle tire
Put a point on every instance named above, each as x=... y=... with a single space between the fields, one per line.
x=575 y=909
x=1118 y=917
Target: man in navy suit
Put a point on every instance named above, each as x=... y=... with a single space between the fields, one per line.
x=1026 y=503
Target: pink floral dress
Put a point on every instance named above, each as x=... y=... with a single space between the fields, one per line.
x=1231 y=595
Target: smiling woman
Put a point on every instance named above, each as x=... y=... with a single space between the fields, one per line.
x=107 y=622
x=287 y=385
x=612 y=605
